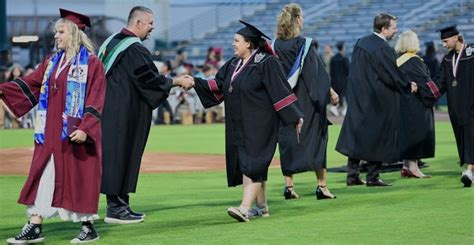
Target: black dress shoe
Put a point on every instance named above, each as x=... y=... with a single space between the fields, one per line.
x=320 y=194
x=355 y=182
x=377 y=182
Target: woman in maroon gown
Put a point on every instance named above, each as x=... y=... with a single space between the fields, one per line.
x=65 y=174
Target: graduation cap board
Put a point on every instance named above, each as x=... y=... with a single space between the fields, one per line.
x=251 y=31
x=448 y=31
x=79 y=19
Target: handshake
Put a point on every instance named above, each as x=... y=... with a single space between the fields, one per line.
x=186 y=82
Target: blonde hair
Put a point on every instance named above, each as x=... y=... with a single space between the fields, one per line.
x=287 y=27
x=77 y=37
x=407 y=42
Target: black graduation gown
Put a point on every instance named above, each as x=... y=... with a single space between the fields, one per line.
x=432 y=63
x=312 y=90
x=339 y=72
x=417 y=135
x=260 y=98
x=370 y=130
x=460 y=100
x=134 y=89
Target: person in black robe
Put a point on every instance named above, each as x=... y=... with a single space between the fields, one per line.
x=257 y=96
x=339 y=71
x=430 y=58
x=417 y=135
x=375 y=84
x=134 y=89
x=312 y=89
x=456 y=77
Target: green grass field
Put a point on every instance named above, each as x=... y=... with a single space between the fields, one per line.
x=190 y=208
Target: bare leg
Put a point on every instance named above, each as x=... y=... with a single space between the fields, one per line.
x=289 y=188
x=261 y=199
x=36 y=219
x=321 y=176
x=251 y=190
x=289 y=180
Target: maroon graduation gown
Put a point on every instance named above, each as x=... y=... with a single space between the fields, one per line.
x=78 y=167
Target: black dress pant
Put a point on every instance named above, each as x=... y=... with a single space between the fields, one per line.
x=117 y=203
x=373 y=170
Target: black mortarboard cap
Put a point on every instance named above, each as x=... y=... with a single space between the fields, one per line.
x=79 y=19
x=251 y=31
x=448 y=31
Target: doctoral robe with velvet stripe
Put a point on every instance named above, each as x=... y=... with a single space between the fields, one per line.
x=78 y=168
x=460 y=100
x=370 y=130
x=134 y=89
x=312 y=91
x=417 y=135
x=260 y=98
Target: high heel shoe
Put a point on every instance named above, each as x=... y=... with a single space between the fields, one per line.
x=289 y=193
x=320 y=194
x=407 y=173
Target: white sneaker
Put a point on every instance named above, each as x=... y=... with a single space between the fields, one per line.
x=466 y=178
x=334 y=111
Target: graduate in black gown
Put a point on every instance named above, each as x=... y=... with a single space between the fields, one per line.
x=339 y=70
x=456 y=77
x=417 y=135
x=257 y=97
x=134 y=89
x=375 y=84
x=312 y=89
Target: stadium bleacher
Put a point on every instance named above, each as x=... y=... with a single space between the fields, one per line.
x=346 y=20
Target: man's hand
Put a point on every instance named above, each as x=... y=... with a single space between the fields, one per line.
x=334 y=97
x=414 y=87
x=78 y=136
x=186 y=82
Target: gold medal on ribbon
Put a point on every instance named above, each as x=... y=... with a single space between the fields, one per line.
x=455 y=83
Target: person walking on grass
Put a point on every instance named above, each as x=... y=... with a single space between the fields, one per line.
x=311 y=84
x=65 y=173
x=134 y=89
x=456 y=78
x=257 y=97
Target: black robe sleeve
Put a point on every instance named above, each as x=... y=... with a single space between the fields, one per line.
x=314 y=68
x=210 y=91
x=388 y=71
x=153 y=87
x=280 y=92
x=418 y=72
